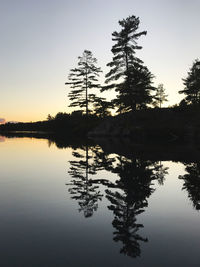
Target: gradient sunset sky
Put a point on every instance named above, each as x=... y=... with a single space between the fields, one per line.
x=41 y=40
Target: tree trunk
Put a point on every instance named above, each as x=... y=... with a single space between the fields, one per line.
x=86 y=94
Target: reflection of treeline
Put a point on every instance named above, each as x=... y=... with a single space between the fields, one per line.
x=125 y=147
x=127 y=196
x=150 y=150
x=61 y=140
x=192 y=182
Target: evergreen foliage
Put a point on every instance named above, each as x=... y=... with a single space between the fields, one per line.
x=160 y=96
x=192 y=84
x=102 y=107
x=192 y=182
x=128 y=76
x=82 y=79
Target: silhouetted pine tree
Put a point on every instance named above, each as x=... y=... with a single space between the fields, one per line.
x=159 y=96
x=128 y=76
x=82 y=79
x=192 y=84
x=101 y=107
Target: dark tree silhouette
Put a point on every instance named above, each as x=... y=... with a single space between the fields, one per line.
x=192 y=84
x=135 y=79
x=102 y=107
x=192 y=183
x=82 y=79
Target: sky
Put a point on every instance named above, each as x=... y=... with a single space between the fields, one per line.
x=41 y=40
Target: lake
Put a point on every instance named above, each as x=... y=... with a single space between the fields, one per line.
x=92 y=205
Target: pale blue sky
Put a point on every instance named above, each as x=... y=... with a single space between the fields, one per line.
x=41 y=40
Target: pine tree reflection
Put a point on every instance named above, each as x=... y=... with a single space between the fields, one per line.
x=192 y=183
x=82 y=188
x=160 y=172
x=129 y=200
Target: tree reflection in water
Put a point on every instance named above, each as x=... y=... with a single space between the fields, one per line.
x=129 y=200
x=127 y=196
x=82 y=188
x=160 y=172
x=192 y=182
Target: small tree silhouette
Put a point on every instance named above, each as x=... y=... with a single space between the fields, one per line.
x=160 y=97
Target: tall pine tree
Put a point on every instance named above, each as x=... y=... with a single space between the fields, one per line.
x=128 y=76
x=82 y=79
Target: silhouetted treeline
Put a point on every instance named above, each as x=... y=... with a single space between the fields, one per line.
x=160 y=125
x=177 y=124
x=63 y=123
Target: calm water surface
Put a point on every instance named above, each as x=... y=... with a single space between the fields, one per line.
x=83 y=207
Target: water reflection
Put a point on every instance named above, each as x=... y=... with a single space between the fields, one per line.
x=160 y=172
x=81 y=187
x=127 y=195
x=192 y=182
x=116 y=186
x=134 y=188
